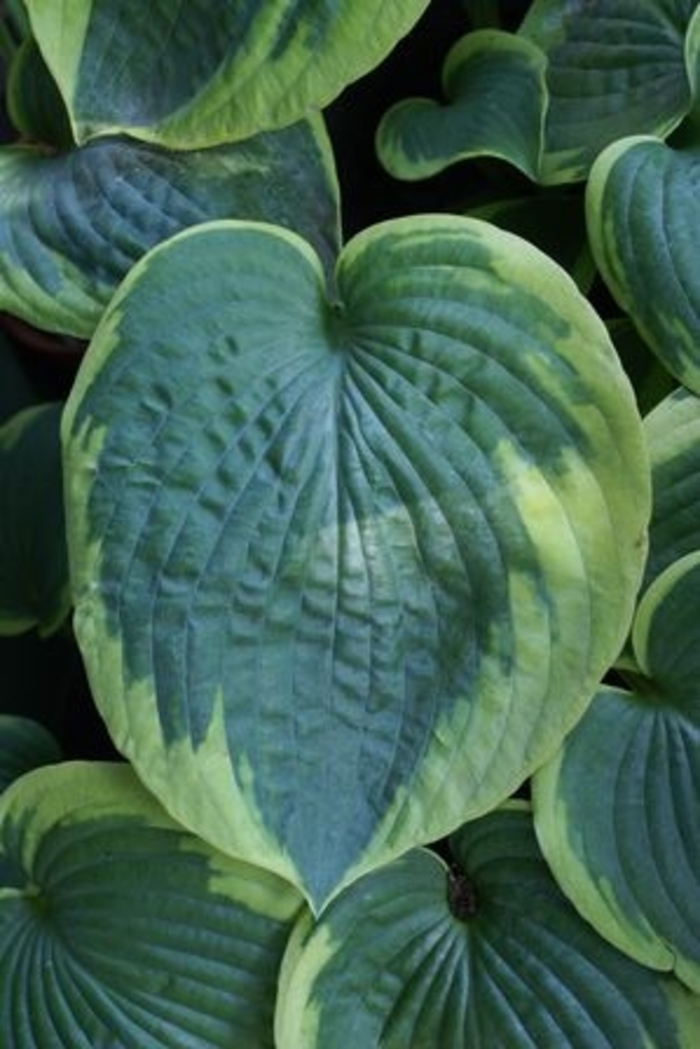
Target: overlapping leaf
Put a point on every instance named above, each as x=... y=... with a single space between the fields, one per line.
x=203 y=73
x=24 y=745
x=642 y=209
x=118 y=928
x=488 y=954
x=548 y=98
x=73 y=223
x=673 y=434
x=617 y=808
x=352 y=567
x=34 y=586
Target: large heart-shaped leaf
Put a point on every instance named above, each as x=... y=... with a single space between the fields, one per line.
x=673 y=435
x=489 y=953
x=199 y=74
x=346 y=570
x=642 y=211
x=34 y=586
x=549 y=98
x=118 y=928
x=72 y=224
x=617 y=807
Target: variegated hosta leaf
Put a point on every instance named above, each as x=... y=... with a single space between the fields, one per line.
x=673 y=435
x=575 y=77
x=72 y=224
x=34 y=585
x=614 y=68
x=617 y=808
x=33 y=100
x=118 y=928
x=494 y=83
x=24 y=745
x=642 y=213
x=346 y=571
x=199 y=74
x=487 y=954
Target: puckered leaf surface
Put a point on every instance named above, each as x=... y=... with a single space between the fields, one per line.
x=617 y=808
x=346 y=569
x=118 y=928
x=490 y=954
x=73 y=223
x=209 y=71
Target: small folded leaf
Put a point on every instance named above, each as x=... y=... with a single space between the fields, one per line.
x=354 y=567
x=199 y=74
x=616 y=809
x=673 y=435
x=24 y=745
x=495 y=86
x=119 y=928
x=73 y=224
x=33 y=100
x=574 y=78
x=642 y=215
x=488 y=953
x=34 y=585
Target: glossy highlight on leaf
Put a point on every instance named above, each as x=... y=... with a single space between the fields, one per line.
x=393 y=963
x=119 y=928
x=354 y=566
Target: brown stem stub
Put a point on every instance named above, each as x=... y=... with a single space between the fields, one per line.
x=461 y=895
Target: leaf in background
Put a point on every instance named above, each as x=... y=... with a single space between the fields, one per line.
x=673 y=434
x=34 y=585
x=73 y=224
x=549 y=98
x=17 y=388
x=24 y=745
x=650 y=380
x=614 y=68
x=200 y=74
x=554 y=221
x=489 y=954
x=642 y=214
x=121 y=929
x=33 y=100
x=496 y=98
x=351 y=567
x=616 y=809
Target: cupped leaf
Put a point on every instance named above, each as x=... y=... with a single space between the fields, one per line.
x=489 y=953
x=673 y=435
x=72 y=224
x=24 y=745
x=352 y=567
x=200 y=74
x=119 y=928
x=549 y=98
x=494 y=84
x=617 y=808
x=643 y=225
x=34 y=585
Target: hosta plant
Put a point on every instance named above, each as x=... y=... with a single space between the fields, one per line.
x=378 y=549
